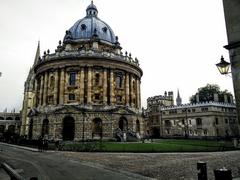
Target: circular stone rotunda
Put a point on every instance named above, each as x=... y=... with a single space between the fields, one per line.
x=88 y=89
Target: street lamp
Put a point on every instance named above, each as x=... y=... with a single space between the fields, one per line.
x=223 y=66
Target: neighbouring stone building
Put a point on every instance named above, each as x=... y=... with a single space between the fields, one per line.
x=209 y=119
x=10 y=121
x=162 y=100
x=86 y=89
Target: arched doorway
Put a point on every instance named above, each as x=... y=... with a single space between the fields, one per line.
x=155 y=132
x=137 y=126
x=30 y=130
x=123 y=124
x=68 y=130
x=97 y=128
x=45 y=127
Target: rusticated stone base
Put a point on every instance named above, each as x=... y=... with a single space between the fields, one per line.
x=86 y=123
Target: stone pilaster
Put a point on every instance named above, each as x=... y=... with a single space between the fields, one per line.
x=127 y=89
x=89 y=88
x=56 y=87
x=62 y=83
x=82 y=86
x=111 y=88
x=41 y=91
x=105 y=86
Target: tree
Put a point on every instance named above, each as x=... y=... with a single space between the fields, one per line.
x=207 y=92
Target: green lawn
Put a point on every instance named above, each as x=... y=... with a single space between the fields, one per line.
x=156 y=146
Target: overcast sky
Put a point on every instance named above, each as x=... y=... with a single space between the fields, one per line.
x=177 y=42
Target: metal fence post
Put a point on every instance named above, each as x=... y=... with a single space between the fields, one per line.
x=202 y=170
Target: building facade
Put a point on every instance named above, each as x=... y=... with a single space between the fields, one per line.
x=232 y=19
x=10 y=122
x=87 y=89
x=209 y=119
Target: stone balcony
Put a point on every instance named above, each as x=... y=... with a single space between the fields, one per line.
x=89 y=53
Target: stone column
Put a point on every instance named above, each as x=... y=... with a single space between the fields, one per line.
x=138 y=105
x=82 y=86
x=56 y=87
x=45 y=88
x=112 y=100
x=41 y=91
x=62 y=83
x=131 y=90
x=35 y=94
x=127 y=89
x=89 y=88
x=105 y=86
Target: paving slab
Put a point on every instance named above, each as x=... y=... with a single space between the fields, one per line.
x=4 y=175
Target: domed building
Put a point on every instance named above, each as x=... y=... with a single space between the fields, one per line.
x=87 y=89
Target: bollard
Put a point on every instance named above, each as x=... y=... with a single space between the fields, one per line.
x=223 y=174
x=202 y=170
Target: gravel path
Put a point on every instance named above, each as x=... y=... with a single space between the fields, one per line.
x=163 y=166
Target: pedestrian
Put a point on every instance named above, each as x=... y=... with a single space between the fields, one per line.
x=39 y=144
x=57 y=145
x=45 y=144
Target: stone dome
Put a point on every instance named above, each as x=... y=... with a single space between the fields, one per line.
x=90 y=27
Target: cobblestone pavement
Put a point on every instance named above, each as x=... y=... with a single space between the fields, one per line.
x=169 y=166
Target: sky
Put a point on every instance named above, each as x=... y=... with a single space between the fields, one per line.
x=177 y=42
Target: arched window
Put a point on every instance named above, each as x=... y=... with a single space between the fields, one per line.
x=199 y=121
x=9 y=118
x=1 y=118
x=168 y=123
x=72 y=78
x=123 y=124
x=134 y=85
x=52 y=82
x=119 y=81
x=97 y=79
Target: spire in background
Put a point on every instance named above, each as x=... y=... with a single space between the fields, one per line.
x=178 y=99
x=37 y=53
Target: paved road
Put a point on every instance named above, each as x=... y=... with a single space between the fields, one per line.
x=50 y=165
x=163 y=166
